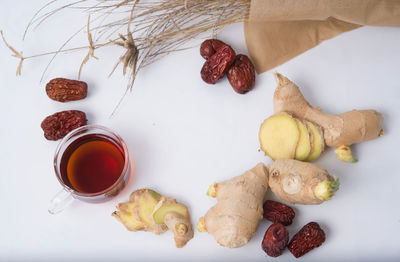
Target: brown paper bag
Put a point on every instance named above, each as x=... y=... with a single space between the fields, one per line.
x=279 y=30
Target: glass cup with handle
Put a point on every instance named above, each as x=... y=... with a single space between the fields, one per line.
x=92 y=164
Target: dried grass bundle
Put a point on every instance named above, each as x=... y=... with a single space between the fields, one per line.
x=147 y=30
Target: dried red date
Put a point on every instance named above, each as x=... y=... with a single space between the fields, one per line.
x=241 y=75
x=209 y=47
x=308 y=238
x=217 y=65
x=278 y=212
x=275 y=240
x=65 y=90
x=59 y=124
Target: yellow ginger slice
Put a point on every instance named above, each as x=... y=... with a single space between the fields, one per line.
x=317 y=142
x=146 y=200
x=279 y=135
x=136 y=214
x=125 y=215
x=303 y=149
x=160 y=213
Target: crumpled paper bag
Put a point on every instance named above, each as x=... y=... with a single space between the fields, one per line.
x=278 y=30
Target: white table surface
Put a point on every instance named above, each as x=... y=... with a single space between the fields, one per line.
x=183 y=135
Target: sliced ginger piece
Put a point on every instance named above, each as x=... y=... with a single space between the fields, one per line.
x=136 y=214
x=125 y=215
x=146 y=200
x=144 y=205
x=318 y=143
x=160 y=213
x=279 y=135
x=303 y=149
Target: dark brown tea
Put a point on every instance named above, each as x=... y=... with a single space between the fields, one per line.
x=92 y=164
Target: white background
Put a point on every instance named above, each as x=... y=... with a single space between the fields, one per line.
x=183 y=135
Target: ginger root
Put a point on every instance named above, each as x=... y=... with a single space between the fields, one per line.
x=149 y=211
x=299 y=182
x=339 y=130
x=233 y=221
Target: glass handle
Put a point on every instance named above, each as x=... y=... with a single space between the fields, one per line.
x=60 y=201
